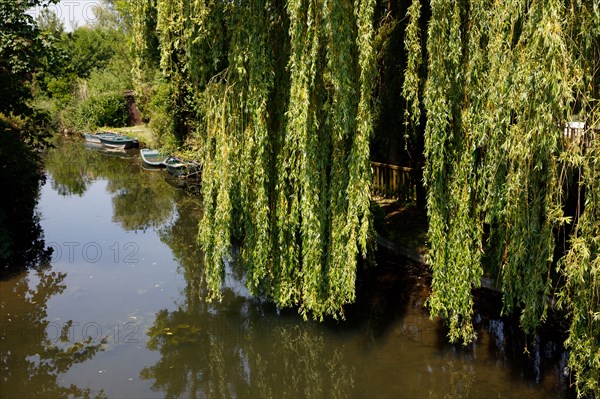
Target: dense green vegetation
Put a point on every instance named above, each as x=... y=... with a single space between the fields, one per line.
x=507 y=190
x=281 y=114
x=84 y=89
x=24 y=49
x=286 y=103
x=52 y=80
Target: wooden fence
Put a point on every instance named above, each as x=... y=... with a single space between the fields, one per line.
x=579 y=133
x=393 y=181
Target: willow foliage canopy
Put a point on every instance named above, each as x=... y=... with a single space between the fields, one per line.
x=503 y=81
x=281 y=94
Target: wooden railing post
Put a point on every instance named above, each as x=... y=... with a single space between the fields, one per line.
x=393 y=181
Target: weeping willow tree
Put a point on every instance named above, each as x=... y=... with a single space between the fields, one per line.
x=293 y=185
x=280 y=94
x=500 y=88
x=144 y=41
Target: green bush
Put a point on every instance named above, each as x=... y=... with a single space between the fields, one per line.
x=103 y=110
x=61 y=88
x=114 y=78
x=161 y=115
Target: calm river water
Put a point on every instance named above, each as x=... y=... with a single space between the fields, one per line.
x=119 y=313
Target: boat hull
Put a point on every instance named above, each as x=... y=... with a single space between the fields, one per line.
x=181 y=169
x=96 y=138
x=153 y=158
x=124 y=143
x=111 y=140
x=92 y=138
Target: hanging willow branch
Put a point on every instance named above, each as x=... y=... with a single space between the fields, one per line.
x=412 y=79
x=143 y=38
x=450 y=175
x=293 y=187
x=581 y=266
x=501 y=86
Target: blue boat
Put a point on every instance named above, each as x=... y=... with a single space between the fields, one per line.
x=95 y=138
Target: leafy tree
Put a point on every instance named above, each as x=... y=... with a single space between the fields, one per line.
x=113 y=15
x=24 y=48
x=48 y=21
x=91 y=48
x=82 y=89
x=54 y=80
x=281 y=99
x=103 y=110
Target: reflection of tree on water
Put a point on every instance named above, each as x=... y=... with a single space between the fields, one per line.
x=140 y=199
x=21 y=237
x=459 y=384
x=229 y=349
x=180 y=236
x=72 y=168
x=32 y=356
x=214 y=353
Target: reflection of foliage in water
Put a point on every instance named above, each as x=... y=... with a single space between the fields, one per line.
x=69 y=166
x=300 y=364
x=460 y=383
x=140 y=200
x=204 y=354
x=21 y=237
x=179 y=236
x=30 y=360
x=207 y=351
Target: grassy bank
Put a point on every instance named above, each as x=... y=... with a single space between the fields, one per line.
x=141 y=132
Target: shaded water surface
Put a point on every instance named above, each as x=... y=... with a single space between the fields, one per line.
x=118 y=312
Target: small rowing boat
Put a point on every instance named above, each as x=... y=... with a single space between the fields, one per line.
x=119 y=141
x=95 y=138
x=182 y=169
x=153 y=158
x=112 y=140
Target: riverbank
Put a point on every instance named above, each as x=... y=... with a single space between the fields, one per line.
x=141 y=132
x=402 y=229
